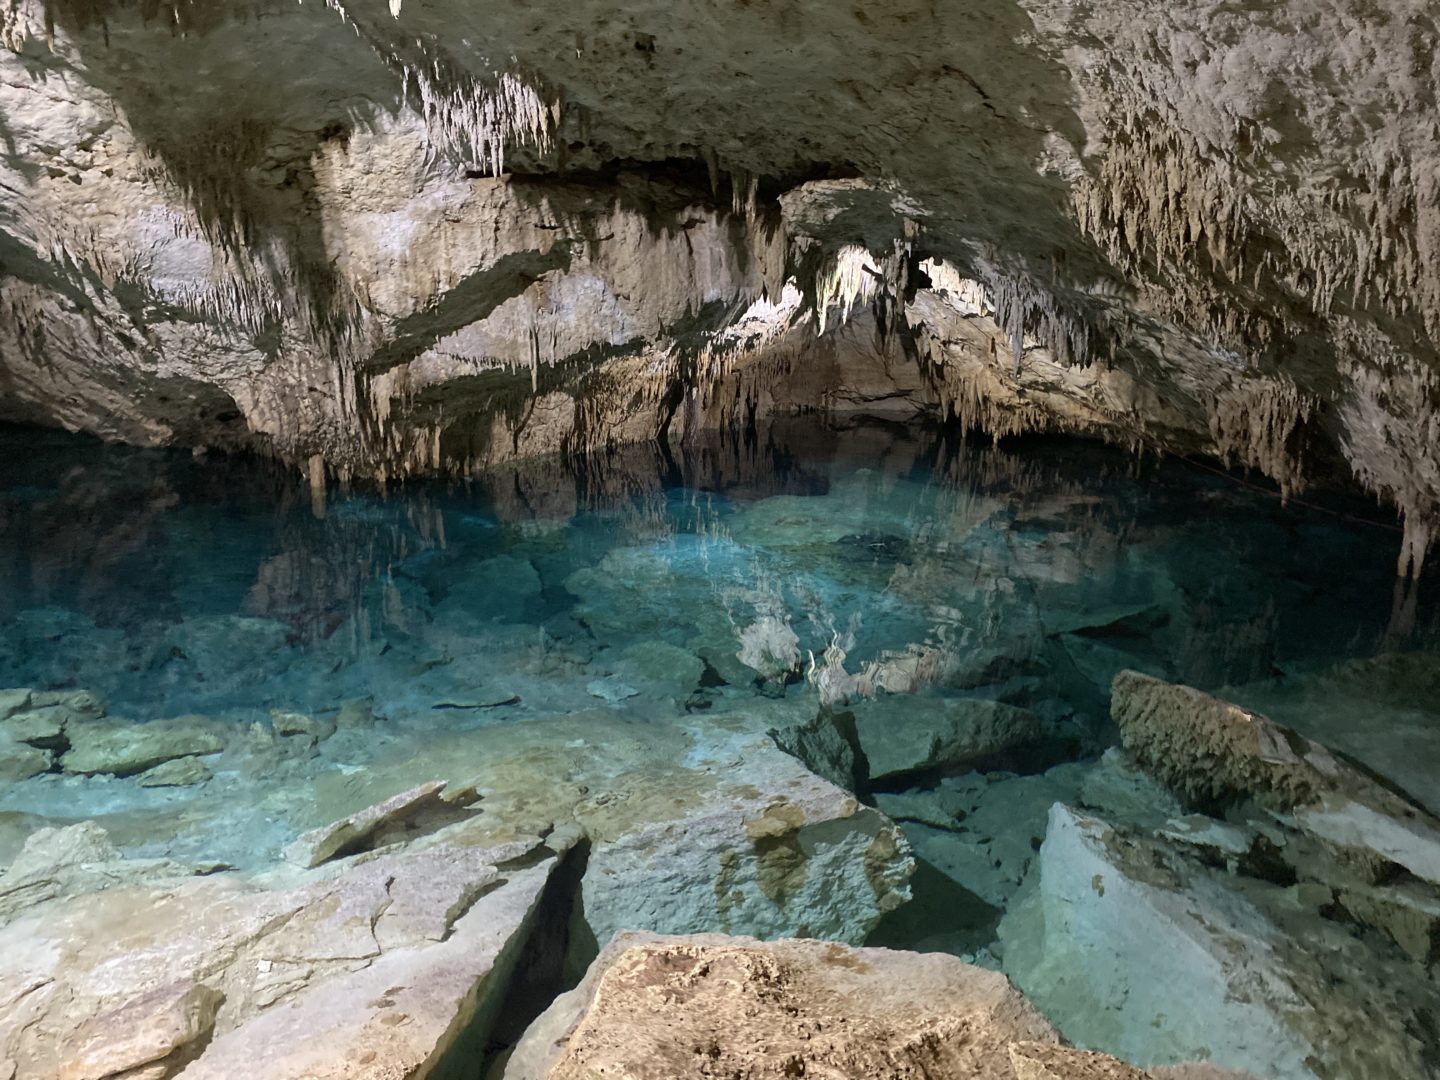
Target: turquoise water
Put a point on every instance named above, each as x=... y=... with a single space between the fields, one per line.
x=171 y=585
x=583 y=613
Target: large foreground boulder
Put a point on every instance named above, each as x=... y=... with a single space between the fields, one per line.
x=666 y=1008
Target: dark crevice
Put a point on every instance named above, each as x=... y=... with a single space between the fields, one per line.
x=538 y=975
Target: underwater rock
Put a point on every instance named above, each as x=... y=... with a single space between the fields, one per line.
x=669 y=668
x=612 y=690
x=38 y=727
x=827 y=745
x=1118 y=787
x=177 y=772
x=19 y=760
x=124 y=748
x=369 y=827
x=1395 y=692
x=997 y=822
x=13 y=701
x=775 y=850
x=314 y=728
x=377 y=970
x=39 y=718
x=1213 y=753
x=1135 y=947
x=901 y=734
x=653 y=1007
x=73 y=859
x=501 y=589
x=357 y=713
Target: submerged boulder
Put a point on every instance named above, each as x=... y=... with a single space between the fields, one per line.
x=124 y=748
x=1133 y=944
x=375 y=825
x=1213 y=753
x=19 y=760
x=657 y=1008
x=901 y=734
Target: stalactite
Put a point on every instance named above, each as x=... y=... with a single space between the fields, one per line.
x=1257 y=424
x=465 y=116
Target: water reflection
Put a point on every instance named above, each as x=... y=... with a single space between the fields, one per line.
x=841 y=563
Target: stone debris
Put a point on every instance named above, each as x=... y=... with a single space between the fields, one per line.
x=177 y=772
x=367 y=829
x=900 y=734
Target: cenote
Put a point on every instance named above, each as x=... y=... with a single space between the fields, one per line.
x=761 y=673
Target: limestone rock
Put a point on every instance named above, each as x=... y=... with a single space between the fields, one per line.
x=177 y=772
x=154 y=1030
x=359 y=831
x=20 y=760
x=827 y=745
x=379 y=969
x=612 y=690
x=40 y=717
x=779 y=851
x=44 y=726
x=313 y=728
x=1133 y=947
x=13 y=701
x=656 y=1008
x=901 y=734
x=76 y=858
x=358 y=713
x=125 y=748
x=80 y=704
x=669 y=668
x=1213 y=752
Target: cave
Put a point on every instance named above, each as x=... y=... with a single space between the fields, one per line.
x=770 y=538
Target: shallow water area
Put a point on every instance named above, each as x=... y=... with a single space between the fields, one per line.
x=572 y=637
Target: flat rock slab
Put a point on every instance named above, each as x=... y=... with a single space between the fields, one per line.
x=351 y=833
x=1131 y=944
x=124 y=748
x=372 y=968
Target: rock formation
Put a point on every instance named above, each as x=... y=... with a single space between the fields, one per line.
x=1296 y=936
x=377 y=238
x=741 y=1007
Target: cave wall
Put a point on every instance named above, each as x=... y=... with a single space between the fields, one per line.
x=389 y=236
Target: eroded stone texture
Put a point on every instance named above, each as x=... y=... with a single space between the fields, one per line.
x=655 y=1008
x=1215 y=752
